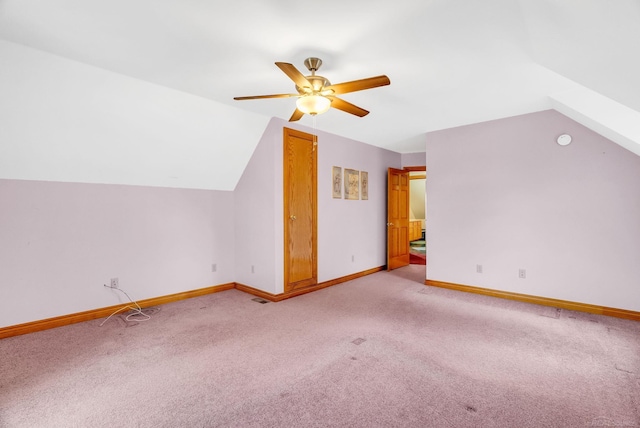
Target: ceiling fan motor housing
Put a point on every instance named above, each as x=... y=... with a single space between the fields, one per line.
x=317 y=84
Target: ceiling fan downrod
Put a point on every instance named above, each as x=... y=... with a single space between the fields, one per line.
x=312 y=64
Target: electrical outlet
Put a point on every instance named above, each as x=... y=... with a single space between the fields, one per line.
x=253 y=269
x=353 y=258
x=214 y=267
x=522 y=273
x=479 y=268
x=114 y=283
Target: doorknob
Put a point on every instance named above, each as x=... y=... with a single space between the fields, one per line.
x=292 y=217
x=389 y=224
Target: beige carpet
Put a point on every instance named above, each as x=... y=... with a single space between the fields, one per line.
x=381 y=351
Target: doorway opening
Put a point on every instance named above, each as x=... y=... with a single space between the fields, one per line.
x=411 y=232
x=417 y=216
x=405 y=225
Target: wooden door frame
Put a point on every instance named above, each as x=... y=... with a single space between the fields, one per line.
x=410 y=169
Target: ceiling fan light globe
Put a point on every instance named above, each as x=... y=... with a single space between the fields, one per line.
x=313 y=104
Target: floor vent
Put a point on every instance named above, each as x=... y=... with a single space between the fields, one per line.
x=259 y=300
x=358 y=341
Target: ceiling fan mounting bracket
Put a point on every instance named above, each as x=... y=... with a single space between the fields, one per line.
x=313 y=64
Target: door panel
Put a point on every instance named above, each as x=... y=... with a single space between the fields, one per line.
x=300 y=210
x=397 y=218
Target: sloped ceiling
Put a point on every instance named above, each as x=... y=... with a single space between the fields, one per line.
x=451 y=62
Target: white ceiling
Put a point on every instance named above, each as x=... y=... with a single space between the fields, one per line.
x=451 y=62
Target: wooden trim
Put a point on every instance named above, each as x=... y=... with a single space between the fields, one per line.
x=185 y=295
x=415 y=168
x=279 y=297
x=262 y=294
x=545 y=301
x=333 y=282
x=45 y=324
x=352 y=276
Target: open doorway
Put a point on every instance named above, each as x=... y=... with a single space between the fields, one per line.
x=404 y=225
x=417 y=215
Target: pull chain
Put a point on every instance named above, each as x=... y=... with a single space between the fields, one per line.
x=315 y=137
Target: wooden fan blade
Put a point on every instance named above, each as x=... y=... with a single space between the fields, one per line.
x=293 y=73
x=297 y=115
x=343 y=105
x=358 y=85
x=258 y=97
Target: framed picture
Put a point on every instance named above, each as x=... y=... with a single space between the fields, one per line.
x=364 y=185
x=336 y=180
x=351 y=184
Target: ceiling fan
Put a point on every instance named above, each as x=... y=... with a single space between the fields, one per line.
x=316 y=94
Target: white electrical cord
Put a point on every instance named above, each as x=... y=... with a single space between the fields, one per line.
x=137 y=309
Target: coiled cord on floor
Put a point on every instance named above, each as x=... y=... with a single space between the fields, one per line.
x=137 y=309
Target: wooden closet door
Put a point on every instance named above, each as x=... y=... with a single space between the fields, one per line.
x=300 y=210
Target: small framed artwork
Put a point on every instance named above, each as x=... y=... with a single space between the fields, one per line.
x=351 y=184
x=364 y=185
x=336 y=180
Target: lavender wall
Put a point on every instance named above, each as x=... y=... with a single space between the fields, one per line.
x=503 y=194
x=413 y=159
x=59 y=242
x=351 y=234
x=258 y=215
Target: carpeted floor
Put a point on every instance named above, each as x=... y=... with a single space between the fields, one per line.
x=380 y=351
